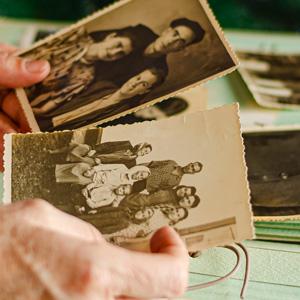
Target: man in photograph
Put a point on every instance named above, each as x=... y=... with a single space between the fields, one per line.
x=165 y=174
x=176 y=197
x=180 y=34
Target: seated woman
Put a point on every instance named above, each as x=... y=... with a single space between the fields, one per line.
x=77 y=153
x=76 y=58
x=77 y=173
x=106 y=195
x=137 y=232
x=109 y=220
x=124 y=156
x=116 y=175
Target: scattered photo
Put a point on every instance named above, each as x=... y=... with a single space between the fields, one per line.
x=272 y=157
x=130 y=180
x=123 y=59
x=273 y=79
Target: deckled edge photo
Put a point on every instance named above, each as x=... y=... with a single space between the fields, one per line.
x=247 y=78
x=142 y=246
x=21 y=95
x=7 y=158
x=268 y=129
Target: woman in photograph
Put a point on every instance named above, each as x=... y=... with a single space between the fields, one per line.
x=105 y=219
x=115 y=175
x=127 y=157
x=113 y=99
x=77 y=153
x=76 y=58
x=106 y=195
x=137 y=232
x=77 y=173
x=170 y=197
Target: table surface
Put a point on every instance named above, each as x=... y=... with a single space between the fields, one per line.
x=275 y=267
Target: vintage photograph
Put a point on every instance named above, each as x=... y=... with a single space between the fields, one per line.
x=116 y=62
x=273 y=79
x=128 y=184
x=272 y=157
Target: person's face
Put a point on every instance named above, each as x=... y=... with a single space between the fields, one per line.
x=139 y=84
x=113 y=47
x=176 y=214
x=173 y=39
x=140 y=175
x=184 y=191
x=144 y=151
x=192 y=168
x=124 y=189
x=187 y=201
x=150 y=113
x=144 y=214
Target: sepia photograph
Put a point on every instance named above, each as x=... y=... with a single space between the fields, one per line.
x=272 y=157
x=273 y=79
x=117 y=62
x=128 y=185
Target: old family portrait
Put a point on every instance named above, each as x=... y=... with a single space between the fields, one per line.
x=112 y=189
x=97 y=74
x=129 y=180
x=117 y=187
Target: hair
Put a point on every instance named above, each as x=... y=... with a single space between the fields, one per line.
x=186 y=213
x=194 y=26
x=140 y=146
x=193 y=189
x=172 y=106
x=136 y=221
x=196 y=162
x=136 y=34
x=196 y=201
x=161 y=73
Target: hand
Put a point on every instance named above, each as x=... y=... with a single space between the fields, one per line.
x=97 y=161
x=46 y=254
x=15 y=73
x=85 y=193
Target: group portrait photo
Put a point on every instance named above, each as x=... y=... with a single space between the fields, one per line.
x=113 y=185
x=128 y=181
x=115 y=62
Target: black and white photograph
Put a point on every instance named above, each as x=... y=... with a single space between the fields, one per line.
x=117 y=62
x=272 y=157
x=273 y=79
x=128 y=184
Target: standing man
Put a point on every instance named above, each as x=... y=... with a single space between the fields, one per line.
x=166 y=174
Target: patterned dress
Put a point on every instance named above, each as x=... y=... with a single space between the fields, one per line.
x=70 y=72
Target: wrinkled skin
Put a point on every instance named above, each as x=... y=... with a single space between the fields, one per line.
x=15 y=73
x=47 y=254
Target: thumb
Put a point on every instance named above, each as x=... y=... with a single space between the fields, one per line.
x=166 y=240
x=17 y=72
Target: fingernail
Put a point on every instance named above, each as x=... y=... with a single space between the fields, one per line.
x=36 y=66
